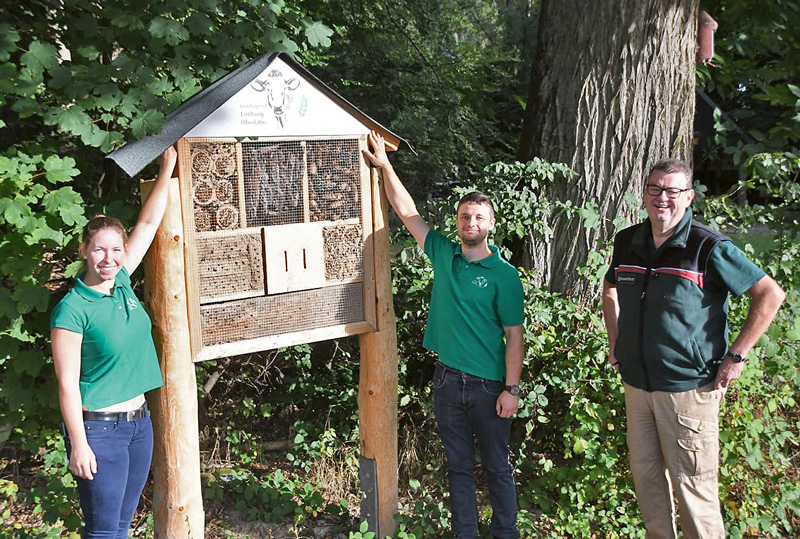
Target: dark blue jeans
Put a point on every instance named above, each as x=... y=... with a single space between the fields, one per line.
x=465 y=411
x=123 y=450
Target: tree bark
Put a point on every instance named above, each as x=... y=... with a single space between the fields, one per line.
x=377 y=386
x=612 y=92
x=178 y=496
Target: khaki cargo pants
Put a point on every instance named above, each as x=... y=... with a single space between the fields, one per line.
x=674 y=444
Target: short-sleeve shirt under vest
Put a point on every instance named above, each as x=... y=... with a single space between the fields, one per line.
x=673 y=319
x=118 y=357
x=470 y=304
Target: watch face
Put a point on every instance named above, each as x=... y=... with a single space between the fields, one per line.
x=514 y=390
x=737 y=358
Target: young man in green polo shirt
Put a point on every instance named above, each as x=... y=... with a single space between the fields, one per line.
x=475 y=327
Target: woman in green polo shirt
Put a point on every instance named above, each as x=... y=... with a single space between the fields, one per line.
x=105 y=361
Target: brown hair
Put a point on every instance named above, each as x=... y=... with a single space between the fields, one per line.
x=476 y=197
x=673 y=166
x=100 y=222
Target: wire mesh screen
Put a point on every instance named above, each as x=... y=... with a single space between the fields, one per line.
x=334 y=180
x=255 y=202
x=214 y=183
x=273 y=182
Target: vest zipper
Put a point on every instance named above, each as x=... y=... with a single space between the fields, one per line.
x=642 y=303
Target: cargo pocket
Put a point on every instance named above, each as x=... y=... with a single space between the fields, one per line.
x=699 y=446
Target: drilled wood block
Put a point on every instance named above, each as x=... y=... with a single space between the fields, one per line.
x=230 y=265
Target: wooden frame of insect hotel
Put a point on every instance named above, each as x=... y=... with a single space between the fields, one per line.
x=275 y=235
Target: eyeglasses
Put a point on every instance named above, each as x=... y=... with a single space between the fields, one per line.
x=672 y=192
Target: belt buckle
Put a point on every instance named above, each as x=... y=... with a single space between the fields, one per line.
x=130 y=415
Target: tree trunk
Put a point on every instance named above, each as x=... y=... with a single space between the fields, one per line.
x=612 y=92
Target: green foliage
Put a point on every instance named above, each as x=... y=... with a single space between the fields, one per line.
x=755 y=74
x=444 y=75
x=569 y=436
x=454 y=95
x=362 y=532
x=271 y=499
x=78 y=80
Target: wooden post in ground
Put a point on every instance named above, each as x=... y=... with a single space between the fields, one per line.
x=377 y=391
x=177 y=499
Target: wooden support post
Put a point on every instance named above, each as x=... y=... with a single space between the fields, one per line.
x=177 y=500
x=377 y=391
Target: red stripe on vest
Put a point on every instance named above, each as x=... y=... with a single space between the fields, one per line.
x=695 y=277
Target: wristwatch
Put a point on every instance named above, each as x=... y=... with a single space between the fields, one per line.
x=513 y=389
x=737 y=358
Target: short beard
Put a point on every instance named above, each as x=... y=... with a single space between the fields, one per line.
x=475 y=241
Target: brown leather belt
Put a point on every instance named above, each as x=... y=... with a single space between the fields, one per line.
x=130 y=415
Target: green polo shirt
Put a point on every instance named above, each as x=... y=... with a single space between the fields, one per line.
x=118 y=357
x=470 y=304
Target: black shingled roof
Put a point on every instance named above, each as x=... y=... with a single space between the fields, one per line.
x=137 y=154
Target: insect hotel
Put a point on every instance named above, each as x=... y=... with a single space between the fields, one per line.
x=275 y=234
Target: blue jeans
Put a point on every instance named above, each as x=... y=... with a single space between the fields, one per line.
x=123 y=450
x=465 y=411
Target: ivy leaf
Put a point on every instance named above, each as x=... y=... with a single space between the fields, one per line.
x=73 y=269
x=8 y=307
x=71 y=119
x=318 y=34
x=30 y=296
x=591 y=216
x=60 y=77
x=199 y=24
x=20 y=333
x=88 y=51
x=73 y=215
x=95 y=137
x=14 y=210
x=171 y=31
x=40 y=57
x=44 y=233
x=66 y=202
x=29 y=362
x=8 y=41
x=148 y=122
x=108 y=96
x=8 y=76
x=128 y=105
x=59 y=170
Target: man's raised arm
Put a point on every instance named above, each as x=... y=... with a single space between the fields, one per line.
x=396 y=193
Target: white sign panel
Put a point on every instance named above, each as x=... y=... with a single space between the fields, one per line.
x=278 y=103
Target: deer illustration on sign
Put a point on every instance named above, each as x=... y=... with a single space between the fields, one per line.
x=279 y=92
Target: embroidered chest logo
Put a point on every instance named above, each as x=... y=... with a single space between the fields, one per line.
x=626 y=279
x=132 y=304
x=480 y=282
